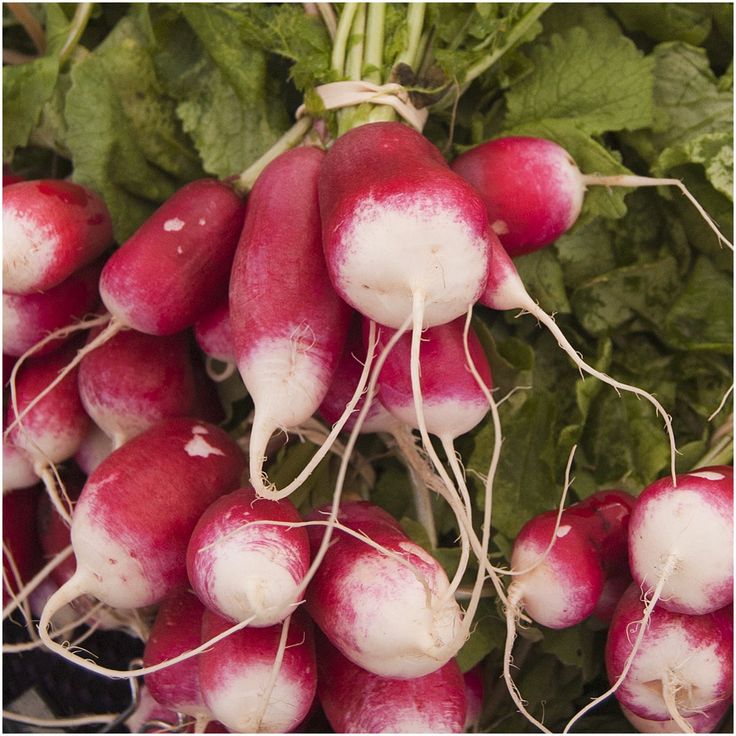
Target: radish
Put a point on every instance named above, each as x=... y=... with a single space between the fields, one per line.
x=50 y=230
x=704 y=722
x=214 y=335
x=681 y=540
x=149 y=716
x=357 y=701
x=260 y=679
x=17 y=469
x=505 y=290
x=95 y=447
x=21 y=550
x=136 y=513
x=134 y=381
x=684 y=665
x=30 y=317
x=245 y=570
x=474 y=691
x=534 y=190
x=289 y=325
x=177 y=628
x=388 y=613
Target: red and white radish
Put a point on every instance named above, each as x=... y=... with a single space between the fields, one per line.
x=134 y=381
x=357 y=701
x=214 y=335
x=289 y=325
x=136 y=513
x=474 y=695
x=240 y=566
x=385 y=609
x=17 y=468
x=704 y=722
x=50 y=230
x=28 y=318
x=260 y=679
x=684 y=665
x=95 y=447
x=534 y=190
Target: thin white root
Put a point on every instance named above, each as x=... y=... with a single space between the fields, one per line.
x=722 y=404
x=670 y=688
x=60 y=722
x=219 y=376
x=55 y=492
x=273 y=676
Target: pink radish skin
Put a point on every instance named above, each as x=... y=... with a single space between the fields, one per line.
x=175 y=266
x=240 y=569
x=289 y=325
x=406 y=227
x=563 y=590
x=18 y=469
x=376 y=610
x=214 y=334
x=177 y=629
x=689 y=658
x=613 y=589
x=531 y=209
x=684 y=534
x=134 y=381
x=357 y=701
x=474 y=694
x=234 y=674
x=50 y=230
x=705 y=722
x=54 y=429
x=95 y=447
x=453 y=402
x=29 y=318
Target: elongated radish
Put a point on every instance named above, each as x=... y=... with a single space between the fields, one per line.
x=680 y=539
x=177 y=628
x=288 y=323
x=236 y=675
x=534 y=190
x=28 y=318
x=135 y=380
x=137 y=511
x=386 y=613
x=683 y=666
x=358 y=701
x=244 y=570
x=50 y=230
x=505 y=290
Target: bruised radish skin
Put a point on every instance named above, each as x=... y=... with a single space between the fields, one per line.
x=289 y=325
x=531 y=210
x=242 y=570
x=50 y=230
x=134 y=381
x=688 y=657
x=563 y=590
x=357 y=701
x=381 y=613
x=29 y=318
x=684 y=534
x=177 y=629
x=214 y=334
x=234 y=674
x=407 y=225
x=173 y=269
x=705 y=722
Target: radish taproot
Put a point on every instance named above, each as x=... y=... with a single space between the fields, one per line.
x=50 y=230
x=289 y=325
x=534 y=190
x=242 y=567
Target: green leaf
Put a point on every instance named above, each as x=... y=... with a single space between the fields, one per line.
x=577 y=646
x=602 y=85
x=665 y=21
x=542 y=276
x=488 y=633
x=585 y=252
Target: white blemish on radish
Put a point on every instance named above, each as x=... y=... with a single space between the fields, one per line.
x=500 y=227
x=563 y=531
x=708 y=475
x=198 y=447
x=173 y=225
x=202 y=221
x=199 y=429
x=179 y=249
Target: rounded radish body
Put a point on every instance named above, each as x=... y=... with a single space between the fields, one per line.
x=705 y=722
x=235 y=673
x=532 y=188
x=684 y=665
x=405 y=225
x=137 y=511
x=134 y=381
x=357 y=701
x=176 y=265
x=685 y=534
x=177 y=629
x=50 y=230
x=289 y=325
x=240 y=569
x=214 y=334
x=562 y=590
x=30 y=317
x=95 y=447
x=387 y=613
x=54 y=428
x=453 y=402
x=18 y=469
